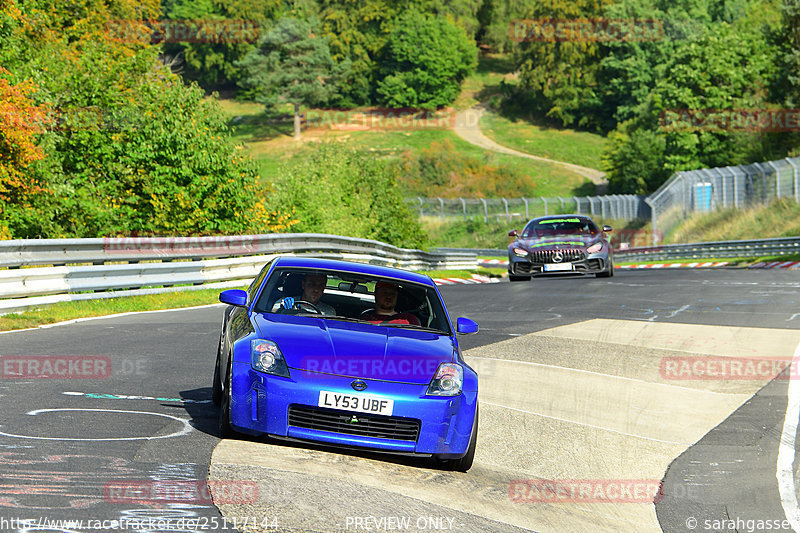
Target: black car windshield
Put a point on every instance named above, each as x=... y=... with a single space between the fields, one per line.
x=559 y=226
x=353 y=297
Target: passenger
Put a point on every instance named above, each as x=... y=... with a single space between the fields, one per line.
x=385 y=301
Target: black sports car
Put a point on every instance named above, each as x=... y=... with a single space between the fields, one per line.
x=560 y=244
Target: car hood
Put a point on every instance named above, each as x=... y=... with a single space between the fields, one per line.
x=357 y=350
x=560 y=242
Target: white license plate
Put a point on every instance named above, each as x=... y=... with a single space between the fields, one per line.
x=554 y=267
x=363 y=403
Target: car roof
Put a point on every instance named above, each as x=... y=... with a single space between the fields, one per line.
x=550 y=217
x=350 y=266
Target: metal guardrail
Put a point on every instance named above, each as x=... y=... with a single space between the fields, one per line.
x=707 y=250
x=121 y=267
x=34 y=252
x=703 y=250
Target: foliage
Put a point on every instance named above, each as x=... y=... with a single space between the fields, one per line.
x=344 y=192
x=292 y=64
x=214 y=63
x=440 y=170
x=425 y=61
x=634 y=161
x=128 y=148
x=20 y=123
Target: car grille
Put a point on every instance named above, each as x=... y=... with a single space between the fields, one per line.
x=568 y=256
x=376 y=426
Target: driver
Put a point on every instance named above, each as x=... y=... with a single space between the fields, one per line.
x=313 y=287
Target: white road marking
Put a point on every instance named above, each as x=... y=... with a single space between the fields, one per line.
x=786 y=451
x=682 y=309
x=586 y=425
x=186 y=427
x=592 y=372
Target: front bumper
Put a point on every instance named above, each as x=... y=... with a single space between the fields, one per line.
x=261 y=403
x=525 y=266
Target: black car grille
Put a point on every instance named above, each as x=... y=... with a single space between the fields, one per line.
x=351 y=423
x=567 y=256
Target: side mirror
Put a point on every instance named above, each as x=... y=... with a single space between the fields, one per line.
x=607 y=229
x=513 y=233
x=465 y=326
x=236 y=297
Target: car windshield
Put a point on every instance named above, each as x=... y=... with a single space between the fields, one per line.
x=559 y=226
x=352 y=297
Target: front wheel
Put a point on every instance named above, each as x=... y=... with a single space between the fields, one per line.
x=224 y=421
x=608 y=273
x=465 y=463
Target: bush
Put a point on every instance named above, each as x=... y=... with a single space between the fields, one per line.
x=344 y=192
x=426 y=59
x=440 y=170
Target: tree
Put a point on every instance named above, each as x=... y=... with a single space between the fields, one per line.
x=292 y=64
x=425 y=61
x=213 y=62
x=634 y=162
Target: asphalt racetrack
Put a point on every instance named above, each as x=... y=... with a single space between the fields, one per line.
x=651 y=401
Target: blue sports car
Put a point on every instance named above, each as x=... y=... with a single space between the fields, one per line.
x=347 y=354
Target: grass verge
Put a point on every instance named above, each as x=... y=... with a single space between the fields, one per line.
x=64 y=311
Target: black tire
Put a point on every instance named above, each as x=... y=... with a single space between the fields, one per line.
x=224 y=421
x=608 y=273
x=518 y=278
x=216 y=385
x=465 y=463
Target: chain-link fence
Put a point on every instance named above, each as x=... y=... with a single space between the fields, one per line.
x=620 y=207
x=697 y=191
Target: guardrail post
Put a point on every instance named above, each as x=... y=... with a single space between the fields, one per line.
x=563 y=208
x=485 y=211
x=794 y=181
x=441 y=207
x=577 y=205
x=421 y=203
x=545 y=205
x=463 y=207
x=527 y=216
x=505 y=203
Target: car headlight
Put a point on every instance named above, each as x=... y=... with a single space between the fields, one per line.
x=593 y=249
x=267 y=358
x=519 y=252
x=447 y=381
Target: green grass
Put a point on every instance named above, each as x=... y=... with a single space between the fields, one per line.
x=124 y=304
x=576 y=147
x=63 y=311
x=781 y=218
x=271 y=146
